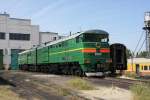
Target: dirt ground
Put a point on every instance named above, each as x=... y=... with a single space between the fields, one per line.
x=107 y=93
x=36 y=86
x=100 y=93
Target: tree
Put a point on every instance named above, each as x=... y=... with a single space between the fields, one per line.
x=142 y=54
x=129 y=53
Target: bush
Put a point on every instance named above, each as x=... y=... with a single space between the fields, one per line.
x=130 y=74
x=80 y=84
x=63 y=91
x=141 y=91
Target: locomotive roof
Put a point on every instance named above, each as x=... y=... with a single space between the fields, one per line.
x=27 y=51
x=94 y=31
x=64 y=39
x=117 y=44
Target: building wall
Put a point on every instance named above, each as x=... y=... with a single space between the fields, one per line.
x=13 y=25
x=22 y=26
x=48 y=36
x=139 y=64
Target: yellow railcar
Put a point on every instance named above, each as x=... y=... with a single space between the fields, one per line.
x=141 y=66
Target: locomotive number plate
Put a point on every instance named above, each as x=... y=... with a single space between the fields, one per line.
x=98 y=54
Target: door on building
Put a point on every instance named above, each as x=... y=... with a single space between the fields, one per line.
x=137 y=69
x=14 y=59
x=1 y=59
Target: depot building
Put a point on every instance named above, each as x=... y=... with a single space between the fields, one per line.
x=17 y=35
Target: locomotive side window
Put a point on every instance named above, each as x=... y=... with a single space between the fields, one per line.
x=51 y=46
x=63 y=44
x=79 y=38
x=59 y=45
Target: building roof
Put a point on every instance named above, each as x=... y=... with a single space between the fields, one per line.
x=4 y=14
x=48 y=33
x=139 y=60
x=20 y=19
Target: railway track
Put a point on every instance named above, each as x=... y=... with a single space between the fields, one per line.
x=29 y=90
x=30 y=87
x=112 y=81
x=119 y=82
x=129 y=81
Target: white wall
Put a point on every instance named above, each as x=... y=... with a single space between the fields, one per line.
x=48 y=36
x=13 y=25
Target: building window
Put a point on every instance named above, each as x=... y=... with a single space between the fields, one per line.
x=145 y=68
x=19 y=36
x=1 y=52
x=54 y=38
x=2 y=35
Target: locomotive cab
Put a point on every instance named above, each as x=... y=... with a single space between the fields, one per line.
x=96 y=52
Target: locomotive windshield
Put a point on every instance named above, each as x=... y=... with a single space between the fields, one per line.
x=95 y=38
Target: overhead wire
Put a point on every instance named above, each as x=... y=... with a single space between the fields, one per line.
x=141 y=45
x=137 y=47
x=138 y=42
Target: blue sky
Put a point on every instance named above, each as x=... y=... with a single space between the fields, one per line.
x=123 y=19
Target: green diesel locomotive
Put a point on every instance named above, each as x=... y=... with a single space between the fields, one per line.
x=85 y=53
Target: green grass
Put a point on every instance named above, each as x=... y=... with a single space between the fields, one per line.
x=80 y=84
x=141 y=91
x=130 y=74
x=63 y=91
x=7 y=94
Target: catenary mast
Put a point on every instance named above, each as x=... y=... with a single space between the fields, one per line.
x=147 y=30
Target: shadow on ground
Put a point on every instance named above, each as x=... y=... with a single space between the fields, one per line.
x=6 y=82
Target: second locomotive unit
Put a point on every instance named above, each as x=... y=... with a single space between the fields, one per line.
x=86 y=53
